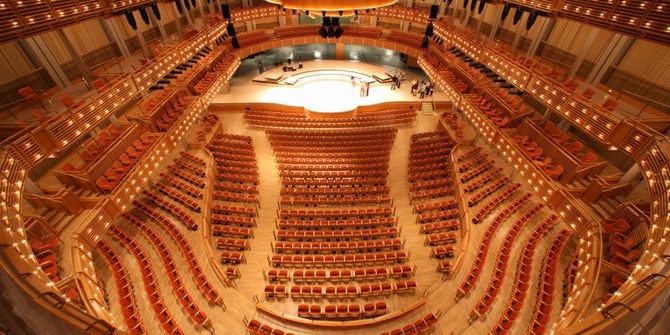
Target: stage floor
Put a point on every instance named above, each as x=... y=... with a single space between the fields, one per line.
x=325 y=92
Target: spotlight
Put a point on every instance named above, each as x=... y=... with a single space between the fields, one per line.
x=331 y=31
x=157 y=12
x=517 y=15
x=505 y=11
x=144 y=15
x=131 y=19
x=531 y=19
x=481 y=6
x=323 y=32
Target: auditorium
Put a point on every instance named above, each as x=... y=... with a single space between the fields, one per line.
x=331 y=167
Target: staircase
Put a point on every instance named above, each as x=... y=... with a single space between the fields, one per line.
x=427 y=108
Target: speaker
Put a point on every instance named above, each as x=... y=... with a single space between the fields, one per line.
x=225 y=10
x=517 y=15
x=433 y=11
x=429 y=29
x=465 y=4
x=187 y=4
x=194 y=4
x=481 y=6
x=230 y=29
x=179 y=8
x=157 y=12
x=144 y=15
x=323 y=32
x=338 y=32
x=473 y=4
x=424 y=42
x=236 y=43
x=531 y=19
x=505 y=11
x=131 y=19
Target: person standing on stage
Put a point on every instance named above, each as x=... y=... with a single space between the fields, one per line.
x=394 y=80
x=260 y=65
x=414 y=87
x=422 y=89
x=367 y=88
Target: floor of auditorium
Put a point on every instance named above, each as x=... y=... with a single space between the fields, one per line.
x=439 y=292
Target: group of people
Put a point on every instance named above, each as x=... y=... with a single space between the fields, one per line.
x=287 y=65
x=422 y=88
x=365 y=86
x=396 y=78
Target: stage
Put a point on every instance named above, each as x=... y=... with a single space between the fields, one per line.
x=321 y=86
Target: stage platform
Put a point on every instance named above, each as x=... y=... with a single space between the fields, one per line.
x=321 y=86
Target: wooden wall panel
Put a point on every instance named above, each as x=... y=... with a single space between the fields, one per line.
x=649 y=61
x=13 y=62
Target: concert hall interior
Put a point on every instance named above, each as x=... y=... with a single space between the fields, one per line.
x=321 y=167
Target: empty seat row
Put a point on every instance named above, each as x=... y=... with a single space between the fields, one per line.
x=342 y=312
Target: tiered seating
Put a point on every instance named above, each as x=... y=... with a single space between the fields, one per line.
x=475 y=271
x=184 y=216
x=545 y=295
x=178 y=287
x=280 y=120
x=497 y=200
x=186 y=176
x=351 y=239
x=409 y=39
x=455 y=123
x=420 y=326
x=194 y=267
x=487 y=299
x=488 y=190
x=120 y=168
x=182 y=186
x=154 y=295
x=342 y=312
x=124 y=288
x=495 y=113
x=46 y=255
x=255 y=327
x=341 y=291
x=523 y=274
x=96 y=147
x=443 y=68
x=236 y=181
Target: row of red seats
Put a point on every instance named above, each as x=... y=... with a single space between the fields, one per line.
x=333 y=174
x=440 y=226
x=193 y=158
x=477 y=171
x=545 y=295
x=337 y=224
x=190 y=178
x=232 y=244
x=422 y=176
x=431 y=194
x=471 y=163
x=173 y=209
x=194 y=169
x=523 y=274
x=488 y=190
x=120 y=168
x=182 y=186
x=203 y=283
x=440 y=182
x=333 y=167
x=391 y=122
x=169 y=116
x=151 y=288
x=336 y=235
x=340 y=275
x=242 y=211
x=534 y=152
x=455 y=123
x=445 y=73
x=337 y=247
x=203 y=84
x=341 y=182
x=420 y=326
x=436 y=206
x=124 y=288
x=492 y=111
x=322 y=135
x=569 y=142
x=101 y=142
x=233 y=220
x=232 y=231
x=434 y=217
x=46 y=255
x=255 y=327
x=376 y=258
x=330 y=190
x=499 y=273
x=473 y=275
x=481 y=181
x=293 y=144
x=360 y=120
x=236 y=187
x=236 y=177
x=469 y=154
x=345 y=200
x=170 y=267
x=333 y=160
x=342 y=312
x=235 y=197
x=485 y=210
x=335 y=214
x=340 y=292
x=177 y=196
x=440 y=238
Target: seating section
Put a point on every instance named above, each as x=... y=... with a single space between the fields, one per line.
x=93 y=149
x=282 y=119
x=342 y=312
x=46 y=251
x=431 y=193
x=545 y=293
x=336 y=223
x=149 y=279
x=113 y=176
x=187 y=303
x=235 y=196
x=255 y=327
x=523 y=276
x=442 y=68
x=124 y=289
x=424 y=325
x=499 y=271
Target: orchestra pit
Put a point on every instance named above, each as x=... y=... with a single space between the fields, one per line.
x=314 y=167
